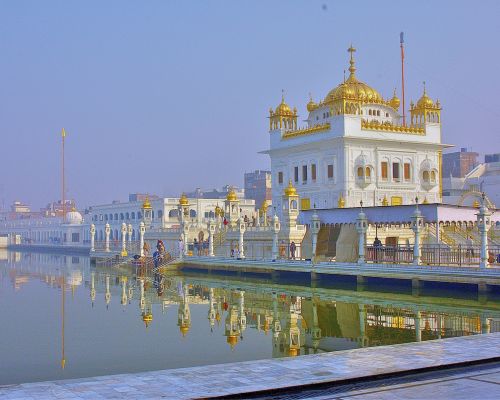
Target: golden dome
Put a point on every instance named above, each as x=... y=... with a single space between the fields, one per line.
x=395 y=102
x=232 y=340
x=231 y=195
x=146 y=205
x=311 y=106
x=290 y=190
x=353 y=89
x=184 y=329
x=283 y=108
x=425 y=101
x=183 y=200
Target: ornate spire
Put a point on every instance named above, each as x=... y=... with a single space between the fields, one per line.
x=352 y=68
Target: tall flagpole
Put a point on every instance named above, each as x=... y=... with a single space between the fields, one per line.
x=63 y=135
x=401 y=41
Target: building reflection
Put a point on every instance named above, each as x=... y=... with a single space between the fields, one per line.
x=295 y=320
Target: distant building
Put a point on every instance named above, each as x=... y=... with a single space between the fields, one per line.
x=258 y=186
x=55 y=209
x=459 y=163
x=491 y=158
x=141 y=197
x=198 y=193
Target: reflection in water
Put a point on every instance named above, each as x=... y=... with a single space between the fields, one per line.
x=252 y=319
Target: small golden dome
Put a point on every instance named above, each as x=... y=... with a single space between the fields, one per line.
x=395 y=102
x=311 y=106
x=264 y=206
x=231 y=195
x=476 y=204
x=232 y=340
x=283 y=108
x=183 y=200
x=146 y=205
x=425 y=101
x=184 y=329
x=341 y=202
x=290 y=189
x=385 y=202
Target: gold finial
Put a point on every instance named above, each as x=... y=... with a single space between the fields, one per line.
x=282 y=95
x=231 y=195
x=183 y=200
x=352 y=68
x=264 y=206
x=424 y=88
x=341 y=201
x=290 y=189
x=385 y=202
x=146 y=205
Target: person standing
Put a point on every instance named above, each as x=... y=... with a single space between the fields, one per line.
x=180 y=246
x=293 y=247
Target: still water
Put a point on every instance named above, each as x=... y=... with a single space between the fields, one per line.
x=63 y=318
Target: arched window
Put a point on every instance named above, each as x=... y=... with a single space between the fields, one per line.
x=425 y=176
x=139 y=215
x=121 y=216
x=116 y=234
x=133 y=234
x=160 y=214
x=116 y=216
x=433 y=176
x=173 y=213
x=360 y=172
x=133 y=215
x=368 y=172
x=127 y=216
x=110 y=217
x=192 y=213
x=152 y=215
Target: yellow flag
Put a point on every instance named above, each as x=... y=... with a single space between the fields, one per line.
x=63 y=133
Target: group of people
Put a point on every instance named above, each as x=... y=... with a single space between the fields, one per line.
x=292 y=250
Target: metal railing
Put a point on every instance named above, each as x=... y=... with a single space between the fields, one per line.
x=116 y=245
x=432 y=254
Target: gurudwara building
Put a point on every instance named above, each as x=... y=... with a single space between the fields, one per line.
x=357 y=146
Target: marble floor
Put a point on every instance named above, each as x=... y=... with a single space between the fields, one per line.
x=468 y=383
x=257 y=376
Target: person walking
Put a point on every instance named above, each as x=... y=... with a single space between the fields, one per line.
x=180 y=247
x=293 y=247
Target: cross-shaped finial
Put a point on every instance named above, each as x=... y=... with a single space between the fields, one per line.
x=351 y=50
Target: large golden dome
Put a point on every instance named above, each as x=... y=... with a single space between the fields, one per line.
x=353 y=89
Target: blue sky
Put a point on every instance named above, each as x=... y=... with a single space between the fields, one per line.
x=166 y=96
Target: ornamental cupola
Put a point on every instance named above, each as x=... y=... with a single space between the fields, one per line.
x=395 y=102
x=425 y=111
x=312 y=105
x=283 y=117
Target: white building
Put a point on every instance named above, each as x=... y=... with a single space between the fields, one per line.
x=53 y=231
x=356 y=147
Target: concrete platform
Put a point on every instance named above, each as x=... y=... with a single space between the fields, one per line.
x=260 y=377
x=465 y=274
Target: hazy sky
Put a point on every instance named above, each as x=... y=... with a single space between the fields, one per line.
x=165 y=96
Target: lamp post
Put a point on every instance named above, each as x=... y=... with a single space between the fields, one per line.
x=124 y=240
x=315 y=227
x=242 y=229
x=417 y=222
x=92 y=237
x=276 y=228
x=361 y=227
x=142 y=230
x=211 y=232
x=484 y=224
x=107 y=231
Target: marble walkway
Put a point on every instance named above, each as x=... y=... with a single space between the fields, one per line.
x=257 y=376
